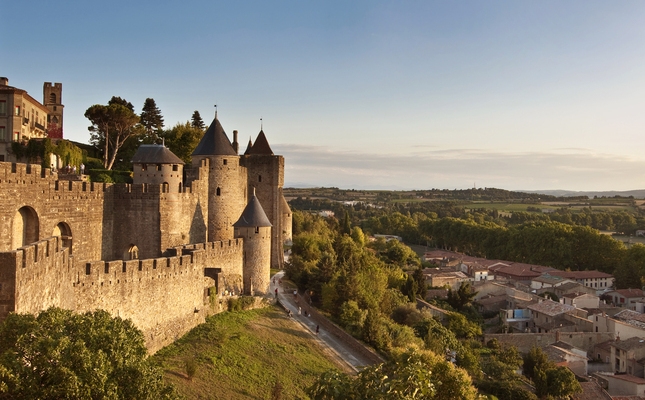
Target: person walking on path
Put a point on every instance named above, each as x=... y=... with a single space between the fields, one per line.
x=299 y=310
x=317 y=329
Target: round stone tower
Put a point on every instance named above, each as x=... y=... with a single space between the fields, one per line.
x=226 y=181
x=287 y=221
x=156 y=164
x=255 y=229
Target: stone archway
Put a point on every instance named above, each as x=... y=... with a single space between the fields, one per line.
x=63 y=231
x=25 y=227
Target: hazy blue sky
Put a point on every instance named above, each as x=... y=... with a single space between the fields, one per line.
x=365 y=94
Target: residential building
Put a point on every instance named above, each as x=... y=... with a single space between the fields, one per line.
x=548 y=315
x=626 y=297
x=22 y=117
x=628 y=356
x=600 y=281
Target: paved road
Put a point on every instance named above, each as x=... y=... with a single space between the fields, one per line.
x=345 y=353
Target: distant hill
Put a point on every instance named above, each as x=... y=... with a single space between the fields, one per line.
x=638 y=194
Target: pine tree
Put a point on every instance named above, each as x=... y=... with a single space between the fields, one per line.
x=196 y=121
x=151 y=119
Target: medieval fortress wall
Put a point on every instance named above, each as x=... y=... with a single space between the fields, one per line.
x=161 y=255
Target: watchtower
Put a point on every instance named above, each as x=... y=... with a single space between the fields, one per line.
x=53 y=100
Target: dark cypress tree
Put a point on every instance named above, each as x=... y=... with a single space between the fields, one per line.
x=347 y=226
x=196 y=121
x=151 y=119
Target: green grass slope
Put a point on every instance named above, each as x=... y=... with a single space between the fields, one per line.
x=245 y=355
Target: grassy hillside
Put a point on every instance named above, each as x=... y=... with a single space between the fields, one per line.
x=242 y=355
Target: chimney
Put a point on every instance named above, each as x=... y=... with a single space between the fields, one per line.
x=4 y=81
x=236 y=146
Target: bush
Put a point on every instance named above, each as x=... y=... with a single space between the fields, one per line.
x=190 y=365
x=241 y=303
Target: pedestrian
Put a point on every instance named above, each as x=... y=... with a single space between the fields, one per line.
x=299 y=310
x=295 y=293
x=82 y=168
x=276 y=293
x=317 y=329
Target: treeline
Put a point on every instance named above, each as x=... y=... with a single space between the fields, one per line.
x=404 y=218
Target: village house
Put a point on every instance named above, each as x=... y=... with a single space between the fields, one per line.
x=623 y=385
x=600 y=281
x=547 y=282
x=581 y=300
x=628 y=356
x=571 y=287
x=548 y=315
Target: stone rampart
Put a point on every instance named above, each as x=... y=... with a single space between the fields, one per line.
x=36 y=277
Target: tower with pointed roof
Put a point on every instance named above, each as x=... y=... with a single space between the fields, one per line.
x=227 y=189
x=266 y=175
x=255 y=229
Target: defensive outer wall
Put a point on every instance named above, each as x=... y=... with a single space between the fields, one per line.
x=158 y=267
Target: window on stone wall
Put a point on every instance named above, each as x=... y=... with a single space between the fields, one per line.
x=259 y=178
x=17 y=110
x=257 y=229
x=175 y=167
x=225 y=161
x=219 y=191
x=3 y=107
x=158 y=167
x=144 y=167
x=2 y=133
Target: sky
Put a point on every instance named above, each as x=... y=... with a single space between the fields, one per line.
x=373 y=94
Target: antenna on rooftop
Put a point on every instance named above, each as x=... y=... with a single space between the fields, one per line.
x=261 y=123
x=215 y=111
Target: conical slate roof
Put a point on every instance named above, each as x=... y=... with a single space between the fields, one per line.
x=214 y=142
x=285 y=206
x=155 y=154
x=261 y=145
x=248 y=147
x=253 y=215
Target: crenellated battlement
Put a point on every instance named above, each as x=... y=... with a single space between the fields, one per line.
x=181 y=260
x=31 y=256
x=24 y=174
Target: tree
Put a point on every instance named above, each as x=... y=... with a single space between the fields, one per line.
x=462 y=297
x=151 y=120
x=196 y=121
x=409 y=375
x=111 y=126
x=182 y=140
x=550 y=380
x=59 y=354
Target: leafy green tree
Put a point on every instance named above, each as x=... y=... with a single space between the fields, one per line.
x=409 y=375
x=111 y=126
x=535 y=360
x=462 y=297
x=352 y=317
x=558 y=383
x=462 y=327
x=410 y=288
x=182 y=139
x=197 y=122
x=503 y=363
x=62 y=355
x=422 y=286
x=151 y=120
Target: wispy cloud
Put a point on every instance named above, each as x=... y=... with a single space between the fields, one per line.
x=564 y=168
